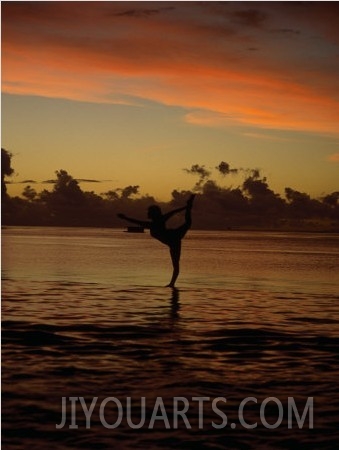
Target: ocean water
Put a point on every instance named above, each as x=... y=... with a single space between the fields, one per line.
x=86 y=319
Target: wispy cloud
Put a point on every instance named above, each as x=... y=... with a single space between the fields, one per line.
x=21 y=182
x=287 y=31
x=334 y=157
x=199 y=56
x=48 y=181
x=249 y=17
x=79 y=180
x=143 y=12
x=86 y=180
x=267 y=137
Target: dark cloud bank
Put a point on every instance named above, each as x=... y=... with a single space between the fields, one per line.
x=218 y=206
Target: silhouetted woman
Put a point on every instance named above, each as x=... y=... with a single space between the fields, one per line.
x=170 y=237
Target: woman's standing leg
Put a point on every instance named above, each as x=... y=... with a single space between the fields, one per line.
x=175 y=250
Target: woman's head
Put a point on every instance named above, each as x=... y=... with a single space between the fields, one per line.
x=154 y=212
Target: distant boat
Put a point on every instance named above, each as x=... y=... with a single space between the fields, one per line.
x=134 y=230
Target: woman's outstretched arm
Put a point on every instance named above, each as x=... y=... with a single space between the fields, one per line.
x=141 y=223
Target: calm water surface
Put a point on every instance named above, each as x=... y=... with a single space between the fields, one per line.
x=85 y=314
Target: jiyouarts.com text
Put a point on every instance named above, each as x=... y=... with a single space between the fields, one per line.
x=77 y=412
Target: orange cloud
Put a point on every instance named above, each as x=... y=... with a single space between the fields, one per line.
x=334 y=157
x=119 y=53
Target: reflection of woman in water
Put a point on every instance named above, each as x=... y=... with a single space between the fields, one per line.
x=170 y=237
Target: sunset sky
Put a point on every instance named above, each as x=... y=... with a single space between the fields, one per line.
x=127 y=93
